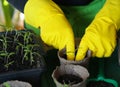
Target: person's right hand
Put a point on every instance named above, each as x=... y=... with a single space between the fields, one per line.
x=54 y=27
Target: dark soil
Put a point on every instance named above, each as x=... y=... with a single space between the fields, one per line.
x=99 y=84
x=65 y=56
x=69 y=79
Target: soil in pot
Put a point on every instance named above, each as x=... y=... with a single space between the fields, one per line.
x=99 y=84
x=69 y=79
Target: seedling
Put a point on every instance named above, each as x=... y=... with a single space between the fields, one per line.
x=27 y=37
x=6 y=84
x=19 y=48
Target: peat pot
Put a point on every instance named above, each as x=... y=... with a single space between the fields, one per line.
x=70 y=76
x=63 y=59
x=15 y=83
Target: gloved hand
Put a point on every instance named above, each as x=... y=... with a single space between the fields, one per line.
x=54 y=27
x=100 y=35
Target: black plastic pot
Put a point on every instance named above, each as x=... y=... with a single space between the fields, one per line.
x=20 y=50
x=33 y=76
x=22 y=70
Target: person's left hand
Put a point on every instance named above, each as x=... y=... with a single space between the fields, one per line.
x=100 y=36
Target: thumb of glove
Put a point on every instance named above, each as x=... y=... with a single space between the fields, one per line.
x=82 y=50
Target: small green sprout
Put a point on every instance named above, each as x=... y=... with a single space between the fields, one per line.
x=5 y=84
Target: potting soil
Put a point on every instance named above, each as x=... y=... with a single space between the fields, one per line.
x=69 y=79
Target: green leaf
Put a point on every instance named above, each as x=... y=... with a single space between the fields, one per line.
x=6 y=84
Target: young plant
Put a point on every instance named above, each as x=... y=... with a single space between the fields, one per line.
x=27 y=37
x=27 y=48
x=3 y=40
x=6 y=84
x=5 y=56
x=28 y=52
x=14 y=43
x=66 y=85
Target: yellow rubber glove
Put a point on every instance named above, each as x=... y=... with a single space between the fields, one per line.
x=100 y=35
x=55 y=29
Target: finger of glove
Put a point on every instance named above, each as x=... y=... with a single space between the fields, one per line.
x=96 y=45
x=70 y=49
x=111 y=42
x=106 y=40
x=108 y=52
x=67 y=42
x=100 y=49
x=82 y=50
x=109 y=48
